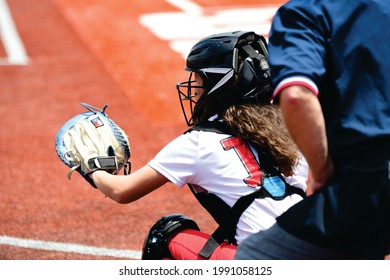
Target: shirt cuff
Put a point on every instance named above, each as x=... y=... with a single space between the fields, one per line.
x=295 y=81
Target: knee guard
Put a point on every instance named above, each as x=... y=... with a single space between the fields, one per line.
x=155 y=246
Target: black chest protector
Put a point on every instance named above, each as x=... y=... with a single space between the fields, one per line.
x=273 y=185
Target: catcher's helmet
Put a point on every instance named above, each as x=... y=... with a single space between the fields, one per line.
x=156 y=242
x=234 y=70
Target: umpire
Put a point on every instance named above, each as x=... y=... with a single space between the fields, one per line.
x=330 y=63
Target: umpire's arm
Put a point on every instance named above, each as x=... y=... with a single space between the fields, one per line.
x=304 y=119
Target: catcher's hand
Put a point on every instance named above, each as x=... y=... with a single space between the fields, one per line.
x=91 y=141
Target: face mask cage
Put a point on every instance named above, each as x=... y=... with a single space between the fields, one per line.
x=186 y=91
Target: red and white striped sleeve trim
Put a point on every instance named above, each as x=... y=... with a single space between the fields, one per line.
x=295 y=81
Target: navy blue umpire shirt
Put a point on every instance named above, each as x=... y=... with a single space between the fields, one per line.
x=340 y=49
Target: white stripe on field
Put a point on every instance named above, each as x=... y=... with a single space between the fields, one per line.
x=9 y=36
x=187 y=6
x=69 y=248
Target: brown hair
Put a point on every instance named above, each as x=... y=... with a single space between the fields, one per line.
x=263 y=126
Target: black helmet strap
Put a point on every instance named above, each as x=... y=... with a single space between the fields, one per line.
x=255 y=55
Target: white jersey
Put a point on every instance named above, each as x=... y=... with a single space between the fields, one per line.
x=224 y=166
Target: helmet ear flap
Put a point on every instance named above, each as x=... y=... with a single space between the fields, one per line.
x=247 y=75
x=254 y=78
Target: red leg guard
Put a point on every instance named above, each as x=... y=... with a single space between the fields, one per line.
x=187 y=244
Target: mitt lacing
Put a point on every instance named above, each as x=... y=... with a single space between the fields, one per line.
x=72 y=159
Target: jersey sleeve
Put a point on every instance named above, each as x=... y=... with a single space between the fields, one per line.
x=177 y=160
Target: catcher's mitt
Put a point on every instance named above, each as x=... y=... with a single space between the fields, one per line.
x=91 y=141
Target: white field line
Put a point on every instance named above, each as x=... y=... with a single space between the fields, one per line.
x=197 y=22
x=9 y=36
x=187 y=6
x=69 y=248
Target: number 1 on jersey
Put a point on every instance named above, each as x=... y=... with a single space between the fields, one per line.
x=247 y=158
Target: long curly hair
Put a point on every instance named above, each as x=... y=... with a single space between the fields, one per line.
x=263 y=126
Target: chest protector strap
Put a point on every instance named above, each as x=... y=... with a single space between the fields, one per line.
x=227 y=217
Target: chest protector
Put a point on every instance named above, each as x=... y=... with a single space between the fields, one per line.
x=273 y=186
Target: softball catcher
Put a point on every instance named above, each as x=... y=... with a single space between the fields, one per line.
x=237 y=157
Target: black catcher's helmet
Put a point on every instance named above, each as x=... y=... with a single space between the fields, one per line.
x=234 y=69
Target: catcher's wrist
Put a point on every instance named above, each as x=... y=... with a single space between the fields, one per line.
x=93 y=175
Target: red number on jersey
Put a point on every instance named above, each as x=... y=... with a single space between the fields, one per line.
x=247 y=158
